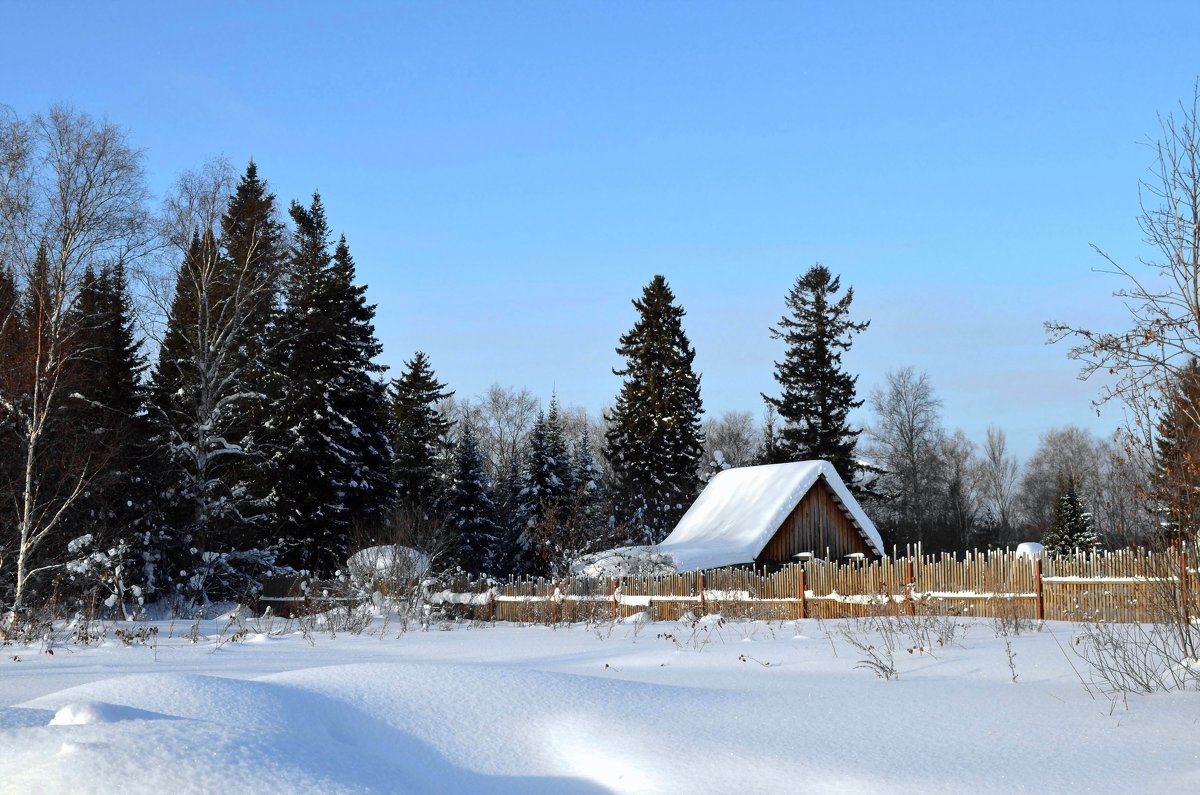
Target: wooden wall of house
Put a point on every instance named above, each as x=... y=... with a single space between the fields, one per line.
x=816 y=524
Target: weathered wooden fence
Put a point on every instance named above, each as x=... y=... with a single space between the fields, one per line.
x=1122 y=586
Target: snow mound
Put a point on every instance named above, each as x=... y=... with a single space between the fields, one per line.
x=626 y=708
x=1029 y=549
x=83 y=713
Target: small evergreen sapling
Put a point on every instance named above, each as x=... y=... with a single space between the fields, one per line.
x=1071 y=528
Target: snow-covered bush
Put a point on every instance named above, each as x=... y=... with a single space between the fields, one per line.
x=625 y=562
x=235 y=575
x=108 y=579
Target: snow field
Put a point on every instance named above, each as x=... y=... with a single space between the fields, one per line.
x=629 y=707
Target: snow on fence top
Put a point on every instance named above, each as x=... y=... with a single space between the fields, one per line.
x=740 y=509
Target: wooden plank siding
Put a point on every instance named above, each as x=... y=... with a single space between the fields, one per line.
x=818 y=524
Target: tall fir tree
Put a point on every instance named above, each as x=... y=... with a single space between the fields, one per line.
x=253 y=243
x=817 y=394
x=654 y=440
x=419 y=434
x=254 y=250
x=468 y=508
x=1071 y=527
x=117 y=509
x=330 y=452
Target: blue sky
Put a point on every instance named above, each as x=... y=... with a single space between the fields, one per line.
x=509 y=175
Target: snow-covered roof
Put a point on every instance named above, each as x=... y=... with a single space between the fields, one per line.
x=740 y=509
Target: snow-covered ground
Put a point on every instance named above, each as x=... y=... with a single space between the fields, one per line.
x=631 y=707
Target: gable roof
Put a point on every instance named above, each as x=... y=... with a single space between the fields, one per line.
x=740 y=510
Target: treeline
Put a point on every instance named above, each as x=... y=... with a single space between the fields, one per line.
x=190 y=402
x=189 y=399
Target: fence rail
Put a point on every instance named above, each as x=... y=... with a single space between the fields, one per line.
x=1131 y=585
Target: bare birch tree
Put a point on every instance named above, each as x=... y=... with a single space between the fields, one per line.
x=731 y=440
x=72 y=197
x=999 y=473
x=905 y=441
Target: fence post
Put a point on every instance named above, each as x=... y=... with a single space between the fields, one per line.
x=912 y=608
x=1037 y=588
x=613 y=587
x=703 y=605
x=803 y=593
x=492 y=603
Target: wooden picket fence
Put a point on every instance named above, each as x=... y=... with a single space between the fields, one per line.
x=1129 y=585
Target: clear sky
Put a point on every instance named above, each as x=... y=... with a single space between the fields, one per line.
x=509 y=175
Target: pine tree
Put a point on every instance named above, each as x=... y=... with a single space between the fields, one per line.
x=654 y=441
x=469 y=510
x=817 y=394
x=1071 y=528
x=419 y=432
x=331 y=454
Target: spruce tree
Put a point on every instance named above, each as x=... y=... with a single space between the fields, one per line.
x=817 y=394
x=654 y=440
x=506 y=495
x=252 y=240
x=588 y=481
x=418 y=432
x=547 y=489
x=590 y=505
x=548 y=477
x=468 y=508
x=330 y=452
x=253 y=249
x=117 y=508
x=1071 y=527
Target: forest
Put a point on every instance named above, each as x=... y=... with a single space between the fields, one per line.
x=191 y=402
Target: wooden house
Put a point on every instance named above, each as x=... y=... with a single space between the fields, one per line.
x=769 y=516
